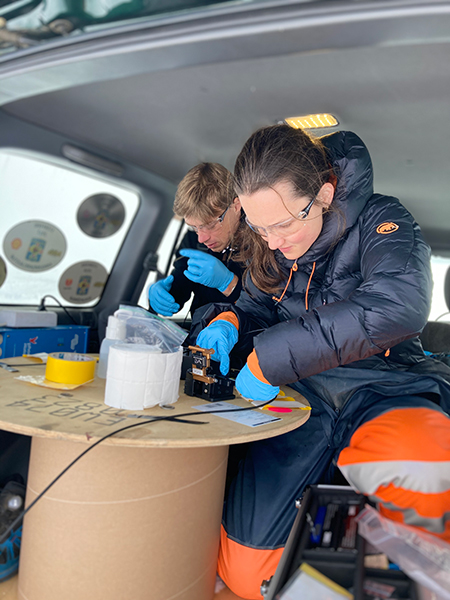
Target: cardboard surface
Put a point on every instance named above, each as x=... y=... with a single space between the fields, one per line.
x=8 y=589
x=81 y=415
x=122 y=523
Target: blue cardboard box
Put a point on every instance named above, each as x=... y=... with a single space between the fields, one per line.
x=62 y=338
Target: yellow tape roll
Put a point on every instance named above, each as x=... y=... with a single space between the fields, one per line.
x=67 y=367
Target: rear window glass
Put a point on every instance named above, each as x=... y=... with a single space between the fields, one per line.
x=42 y=21
x=61 y=230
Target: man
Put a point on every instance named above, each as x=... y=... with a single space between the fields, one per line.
x=204 y=263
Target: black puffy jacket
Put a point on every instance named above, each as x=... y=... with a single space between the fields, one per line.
x=368 y=298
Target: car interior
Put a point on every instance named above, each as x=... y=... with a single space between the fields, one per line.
x=104 y=110
x=127 y=107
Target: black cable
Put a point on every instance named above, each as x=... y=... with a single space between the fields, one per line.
x=42 y=306
x=175 y=418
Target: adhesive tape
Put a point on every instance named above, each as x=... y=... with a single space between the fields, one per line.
x=68 y=367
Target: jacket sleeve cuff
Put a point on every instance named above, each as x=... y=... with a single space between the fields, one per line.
x=255 y=369
x=227 y=316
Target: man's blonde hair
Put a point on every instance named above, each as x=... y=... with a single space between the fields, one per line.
x=204 y=193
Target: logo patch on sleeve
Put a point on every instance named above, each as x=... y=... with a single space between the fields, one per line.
x=388 y=227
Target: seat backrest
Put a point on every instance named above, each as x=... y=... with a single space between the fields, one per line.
x=435 y=336
x=447 y=288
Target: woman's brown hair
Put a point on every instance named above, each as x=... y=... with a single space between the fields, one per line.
x=270 y=156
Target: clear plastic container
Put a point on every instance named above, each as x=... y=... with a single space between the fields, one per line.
x=143 y=327
x=419 y=554
x=115 y=331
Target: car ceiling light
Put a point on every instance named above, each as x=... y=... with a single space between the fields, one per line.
x=312 y=121
x=93 y=161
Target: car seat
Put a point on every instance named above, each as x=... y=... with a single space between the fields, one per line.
x=435 y=336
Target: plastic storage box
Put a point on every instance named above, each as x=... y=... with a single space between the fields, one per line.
x=27 y=318
x=62 y=338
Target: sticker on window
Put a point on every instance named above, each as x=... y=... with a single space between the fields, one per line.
x=82 y=282
x=2 y=271
x=34 y=246
x=101 y=215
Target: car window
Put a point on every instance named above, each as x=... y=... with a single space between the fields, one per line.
x=439 y=308
x=60 y=232
x=165 y=261
x=32 y=22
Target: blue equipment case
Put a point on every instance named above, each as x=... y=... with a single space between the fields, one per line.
x=62 y=338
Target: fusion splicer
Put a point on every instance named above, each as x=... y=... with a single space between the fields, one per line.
x=204 y=379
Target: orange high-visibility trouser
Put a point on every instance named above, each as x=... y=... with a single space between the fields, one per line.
x=400 y=459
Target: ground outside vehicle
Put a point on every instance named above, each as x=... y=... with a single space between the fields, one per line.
x=102 y=112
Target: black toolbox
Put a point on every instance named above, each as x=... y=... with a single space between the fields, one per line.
x=325 y=536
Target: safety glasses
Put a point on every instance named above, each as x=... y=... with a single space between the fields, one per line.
x=285 y=228
x=210 y=226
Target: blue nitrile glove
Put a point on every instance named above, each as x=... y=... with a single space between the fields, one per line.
x=160 y=300
x=207 y=270
x=221 y=336
x=252 y=388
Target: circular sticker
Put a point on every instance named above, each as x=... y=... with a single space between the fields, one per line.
x=82 y=282
x=101 y=215
x=34 y=246
x=2 y=272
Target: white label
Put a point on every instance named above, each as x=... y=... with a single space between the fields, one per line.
x=250 y=418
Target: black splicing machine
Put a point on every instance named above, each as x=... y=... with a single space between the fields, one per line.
x=204 y=379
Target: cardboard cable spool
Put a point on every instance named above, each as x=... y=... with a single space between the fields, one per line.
x=148 y=511
x=139 y=516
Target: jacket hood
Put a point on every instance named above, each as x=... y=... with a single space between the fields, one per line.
x=352 y=165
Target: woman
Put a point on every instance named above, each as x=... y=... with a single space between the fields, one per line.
x=338 y=282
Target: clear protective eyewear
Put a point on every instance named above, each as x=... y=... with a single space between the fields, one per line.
x=211 y=225
x=285 y=228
